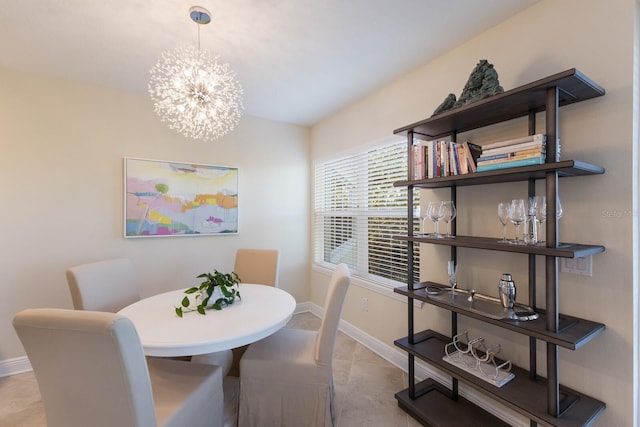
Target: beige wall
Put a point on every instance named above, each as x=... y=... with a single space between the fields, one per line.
x=554 y=35
x=62 y=146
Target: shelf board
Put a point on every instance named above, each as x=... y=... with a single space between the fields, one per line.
x=565 y=168
x=522 y=394
x=572 y=84
x=434 y=407
x=564 y=250
x=573 y=331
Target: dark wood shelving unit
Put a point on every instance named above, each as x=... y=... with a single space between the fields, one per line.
x=522 y=394
x=541 y=398
x=573 y=332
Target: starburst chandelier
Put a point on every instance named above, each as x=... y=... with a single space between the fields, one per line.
x=195 y=94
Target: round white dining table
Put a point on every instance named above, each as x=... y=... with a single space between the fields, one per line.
x=262 y=311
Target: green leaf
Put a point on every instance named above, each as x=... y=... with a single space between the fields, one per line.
x=179 y=311
x=228 y=284
x=225 y=291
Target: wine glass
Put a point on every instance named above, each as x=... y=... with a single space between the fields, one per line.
x=452 y=271
x=559 y=210
x=435 y=214
x=517 y=215
x=543 y=213
x=531 y=224
x=503 y=216
x=537 y=207
x=449 y=213
x=421 y=214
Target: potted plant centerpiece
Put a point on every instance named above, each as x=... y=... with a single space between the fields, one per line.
x=217 y=291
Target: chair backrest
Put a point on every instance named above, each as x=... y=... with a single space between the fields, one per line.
x=103 y=286
x=326 y=339
x=90 y=367
x=260 y=266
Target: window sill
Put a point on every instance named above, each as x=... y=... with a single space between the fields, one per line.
x=385 y=290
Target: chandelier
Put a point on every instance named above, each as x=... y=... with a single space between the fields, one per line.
x=195 y=94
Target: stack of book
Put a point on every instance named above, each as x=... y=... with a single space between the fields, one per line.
x=432 y=159
x=525 y=151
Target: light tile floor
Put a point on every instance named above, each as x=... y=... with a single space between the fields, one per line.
x=365 y=385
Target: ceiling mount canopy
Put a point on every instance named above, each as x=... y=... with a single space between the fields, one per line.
x=199 y=15
x=195 y=94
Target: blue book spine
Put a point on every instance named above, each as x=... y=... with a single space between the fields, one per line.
x=512 y=164
x=494 y=157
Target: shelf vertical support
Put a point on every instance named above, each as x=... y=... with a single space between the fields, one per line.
x=551 y=182
x=553 y=148
x=410 y=279
x=454 y=315
x=454 y=199
x=533 y=353
x=533 y=348
x=454 y=258
x=531 y=188
x=410 y=165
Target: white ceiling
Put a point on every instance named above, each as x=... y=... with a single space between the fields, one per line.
x=297 y=60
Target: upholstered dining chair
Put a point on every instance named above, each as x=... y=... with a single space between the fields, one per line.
x=260 y=266
x=91 y=371
x=286 y=379
x=103 y=285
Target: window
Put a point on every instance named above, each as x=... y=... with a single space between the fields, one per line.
x=358 y=211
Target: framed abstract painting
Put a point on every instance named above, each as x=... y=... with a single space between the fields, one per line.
x=165 y=198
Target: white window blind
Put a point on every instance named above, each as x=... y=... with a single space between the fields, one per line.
x=358 y=210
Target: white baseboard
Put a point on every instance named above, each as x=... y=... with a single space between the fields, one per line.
x=304 y=307
x=14 y=366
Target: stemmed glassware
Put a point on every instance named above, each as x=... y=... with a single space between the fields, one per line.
x=517 y=215
x=452 y=271
x=543 y=213
x=537 y=208
x=435 y=214
x=449 y=213
x=421 y=214
x=530 y=234
x=503 y=216
x=559 y=210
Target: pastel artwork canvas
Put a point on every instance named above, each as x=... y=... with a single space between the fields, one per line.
x=179 y=199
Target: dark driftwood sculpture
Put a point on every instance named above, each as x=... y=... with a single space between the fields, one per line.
x=483 y=83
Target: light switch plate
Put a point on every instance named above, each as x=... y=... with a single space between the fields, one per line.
x=581 y=266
